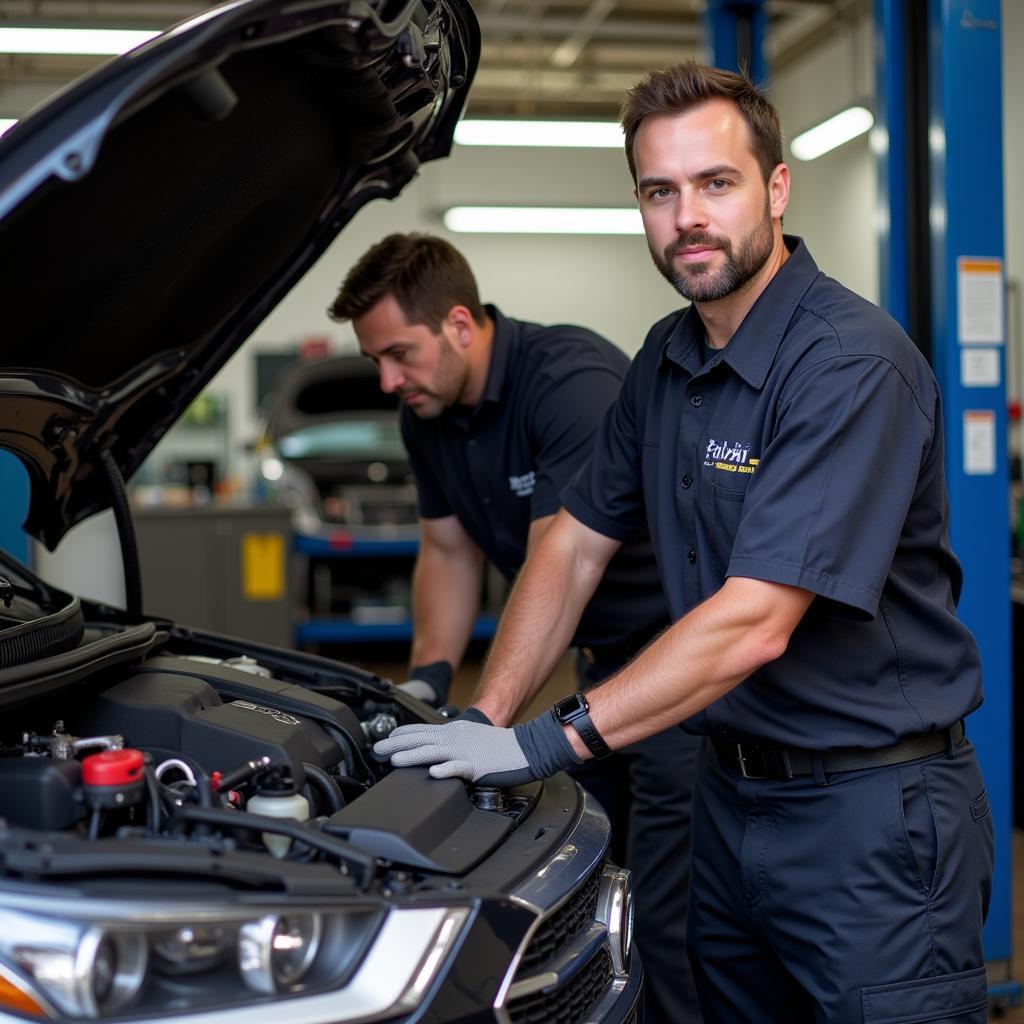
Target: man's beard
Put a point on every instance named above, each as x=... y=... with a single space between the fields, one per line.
x=451 y=380
x=699 y=284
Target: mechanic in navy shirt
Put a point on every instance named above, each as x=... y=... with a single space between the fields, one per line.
x=782 y=438
x=498 y=415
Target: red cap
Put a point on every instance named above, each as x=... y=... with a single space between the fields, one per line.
x=112 y=768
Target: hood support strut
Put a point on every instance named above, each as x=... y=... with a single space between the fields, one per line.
x=126 y=533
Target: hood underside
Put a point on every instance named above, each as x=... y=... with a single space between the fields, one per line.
x=158 y=210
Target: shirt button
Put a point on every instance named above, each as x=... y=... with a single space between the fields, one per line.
x=487 y=501
x=687 y=480
x=692 y=556
x=472 y=442
x=697 y=401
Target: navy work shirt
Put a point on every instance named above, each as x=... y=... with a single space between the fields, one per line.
x=808 y=452
x=502 y=464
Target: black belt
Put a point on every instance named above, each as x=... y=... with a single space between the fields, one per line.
x=760 y=761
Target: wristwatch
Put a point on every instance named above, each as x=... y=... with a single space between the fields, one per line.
x=574 y=710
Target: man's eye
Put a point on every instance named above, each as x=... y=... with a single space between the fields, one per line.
x=717 y=185
x=659 y=193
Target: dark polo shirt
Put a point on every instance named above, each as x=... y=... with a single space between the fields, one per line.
x=809 y=452
x=502 y=464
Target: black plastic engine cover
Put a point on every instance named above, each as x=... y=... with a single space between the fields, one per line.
x=410 y=818
x=172 y=713
x=39 y=792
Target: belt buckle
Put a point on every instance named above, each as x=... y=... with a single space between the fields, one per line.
x=743 y=765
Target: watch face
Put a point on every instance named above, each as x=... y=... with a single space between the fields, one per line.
x=570 y=706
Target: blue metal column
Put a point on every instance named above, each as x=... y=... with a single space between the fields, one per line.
x=968 y=354
x=736 y=29
x=14 y=507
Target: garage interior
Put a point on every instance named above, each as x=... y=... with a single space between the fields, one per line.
x=211 y=502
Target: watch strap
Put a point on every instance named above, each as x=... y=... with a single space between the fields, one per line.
x=579 y=718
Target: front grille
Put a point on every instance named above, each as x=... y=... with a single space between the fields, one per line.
x=569 y=1004
x=576 y=915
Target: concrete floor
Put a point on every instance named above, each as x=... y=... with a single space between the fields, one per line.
x=562 y=682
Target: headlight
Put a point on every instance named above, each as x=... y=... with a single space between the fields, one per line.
x=275 y=953
x=84 y=974
x=349 y=963
x=615 y=912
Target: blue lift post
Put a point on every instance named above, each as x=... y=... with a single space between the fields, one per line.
x=968 y=353
x=736 y=29
x=939 y=122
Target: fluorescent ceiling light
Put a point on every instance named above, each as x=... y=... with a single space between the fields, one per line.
x=544 y=220
x=815 y=142
x=89 y=41
x=566 y=134
x=6 y=123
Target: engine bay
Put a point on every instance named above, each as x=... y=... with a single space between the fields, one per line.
x=221 y=752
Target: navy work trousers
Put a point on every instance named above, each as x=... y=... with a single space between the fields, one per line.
x=647 y=791
x=857 y=899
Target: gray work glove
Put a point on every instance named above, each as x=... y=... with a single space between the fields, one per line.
x=429 y=683
x=483 y=753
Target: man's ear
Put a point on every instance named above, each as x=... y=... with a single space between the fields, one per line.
x=778 y=191
x=462 y=324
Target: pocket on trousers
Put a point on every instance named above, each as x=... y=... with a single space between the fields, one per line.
x=979 y=806
x=950 y=998
x=920 y=831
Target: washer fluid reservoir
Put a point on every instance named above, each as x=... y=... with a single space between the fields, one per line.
x=277 y=797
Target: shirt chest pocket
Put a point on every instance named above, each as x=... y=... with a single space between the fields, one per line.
x=728 y=467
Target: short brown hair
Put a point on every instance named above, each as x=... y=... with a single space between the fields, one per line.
x=425 y=274
x=680 y=88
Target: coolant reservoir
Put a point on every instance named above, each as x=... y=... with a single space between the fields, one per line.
x=277 y=797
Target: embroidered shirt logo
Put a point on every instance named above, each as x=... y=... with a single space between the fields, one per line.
x=729 y=457
x=522 y=486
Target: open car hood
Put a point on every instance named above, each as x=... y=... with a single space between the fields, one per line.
x=155 y=212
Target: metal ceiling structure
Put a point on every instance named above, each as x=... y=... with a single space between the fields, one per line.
x=553 y=58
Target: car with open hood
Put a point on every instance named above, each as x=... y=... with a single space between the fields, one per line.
x=194 y=827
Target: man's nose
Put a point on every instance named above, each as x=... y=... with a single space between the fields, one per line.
x=691 y=212
x=391 y=379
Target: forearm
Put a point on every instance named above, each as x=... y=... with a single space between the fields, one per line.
x=699 y=659
x=539 y=619
x=445 y=601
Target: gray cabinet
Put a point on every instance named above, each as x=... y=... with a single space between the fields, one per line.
x=221 y=569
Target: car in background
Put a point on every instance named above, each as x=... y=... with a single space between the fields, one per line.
x=333 y=452
x=194 y=827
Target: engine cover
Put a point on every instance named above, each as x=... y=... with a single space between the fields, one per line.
x=171 y=713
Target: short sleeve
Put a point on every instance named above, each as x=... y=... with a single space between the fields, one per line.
x=433 y=504
x=607 y=493
x=563 y=424
x=828 y=502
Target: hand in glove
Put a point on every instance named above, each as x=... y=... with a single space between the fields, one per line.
x=429 y=683
x=483 y=753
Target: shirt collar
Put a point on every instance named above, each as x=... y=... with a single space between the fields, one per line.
x=751 y=350
x=501 y=346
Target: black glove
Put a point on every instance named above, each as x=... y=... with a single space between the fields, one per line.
x=483 y=753
x=429 y=683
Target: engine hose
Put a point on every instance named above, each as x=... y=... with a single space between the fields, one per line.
x=327 y=787
x=201 y=788
x=126 y=533
x=154 y=800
